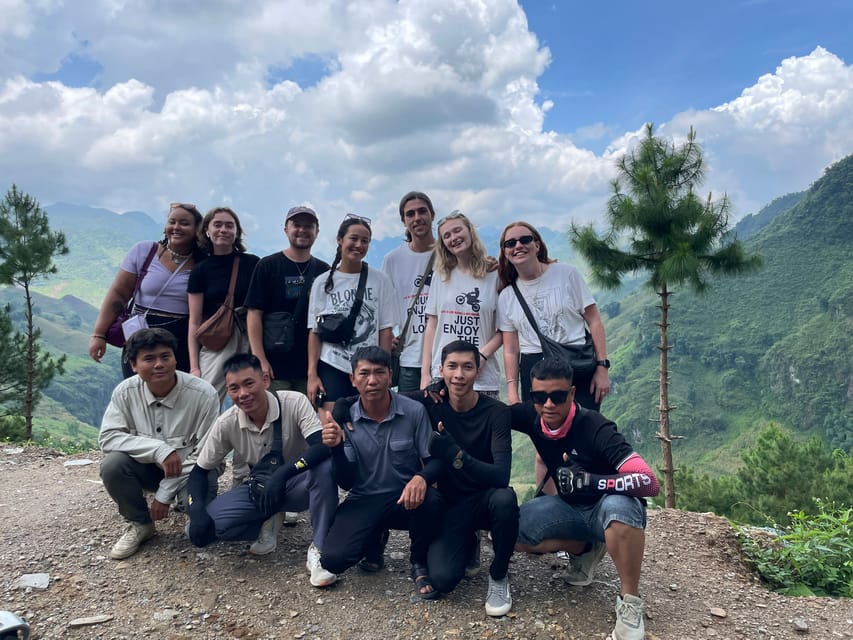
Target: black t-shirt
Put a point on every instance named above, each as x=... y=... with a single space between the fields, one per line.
x=277 y=285
x=593 y=442
x=212 y=277
x=485 y=434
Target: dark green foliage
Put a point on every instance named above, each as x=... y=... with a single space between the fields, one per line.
x=779 y=475
x=27 y=248
x=811 y=558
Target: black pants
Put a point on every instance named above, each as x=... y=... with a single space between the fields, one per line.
x=581 y=382
x=493 y=509
x=360 y=521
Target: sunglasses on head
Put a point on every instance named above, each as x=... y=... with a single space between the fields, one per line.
x=352 y=216
x=557 y=397
x=509 y=244
x=182 y=205
x=420 y=210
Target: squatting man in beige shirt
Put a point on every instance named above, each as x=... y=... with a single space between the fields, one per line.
x=303 y=481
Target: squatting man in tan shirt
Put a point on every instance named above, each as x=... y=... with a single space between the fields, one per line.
x=303 y=481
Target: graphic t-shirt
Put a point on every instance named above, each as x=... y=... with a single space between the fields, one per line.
x=556 y=299
x=378 y=311
x=406 y=269
x=466 y=309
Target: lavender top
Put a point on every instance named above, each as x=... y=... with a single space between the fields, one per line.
x=174 y=297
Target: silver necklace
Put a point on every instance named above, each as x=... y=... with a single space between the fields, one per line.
x=177 y=257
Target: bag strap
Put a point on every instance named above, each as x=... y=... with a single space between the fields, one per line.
x=411 y=311
x=527 y=312
x=276 y=426
x=166 y=284
x=235 y=267
x=359 y=294
x=142 y=272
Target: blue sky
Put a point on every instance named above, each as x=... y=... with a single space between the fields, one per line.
x=500 y=109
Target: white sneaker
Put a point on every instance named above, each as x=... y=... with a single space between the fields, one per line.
x=129 y=543
x=268 y=537
x=629 y=619
x=581 y=568
x=319 y=576
x=498 y=598
x=291 y=519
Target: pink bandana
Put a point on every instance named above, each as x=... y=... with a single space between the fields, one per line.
x=556 y=434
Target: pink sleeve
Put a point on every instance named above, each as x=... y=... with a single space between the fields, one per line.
x=636 y=464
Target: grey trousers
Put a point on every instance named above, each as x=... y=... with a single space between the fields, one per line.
x=127 y=480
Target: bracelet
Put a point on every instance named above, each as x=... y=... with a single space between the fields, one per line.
x=483 y=356
x=512 y=380
x=104 y=338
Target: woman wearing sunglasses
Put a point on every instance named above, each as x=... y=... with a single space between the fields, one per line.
x=561 y=304
x=334 y=293
x=462 y=303
x=162 y=296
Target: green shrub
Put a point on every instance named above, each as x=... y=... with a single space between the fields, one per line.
x=813 y=557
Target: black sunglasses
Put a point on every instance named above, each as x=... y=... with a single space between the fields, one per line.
x=509 y=244
x=557 y=397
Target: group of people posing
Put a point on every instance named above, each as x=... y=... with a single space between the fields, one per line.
x=309 y=371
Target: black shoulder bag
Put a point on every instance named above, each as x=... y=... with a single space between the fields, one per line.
x=268 y=465
x=580 y=356
x=337 y=327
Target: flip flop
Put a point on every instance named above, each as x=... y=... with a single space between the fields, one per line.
x=420 y=576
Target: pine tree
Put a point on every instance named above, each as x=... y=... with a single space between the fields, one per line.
x=668 y=232
x=27 y=248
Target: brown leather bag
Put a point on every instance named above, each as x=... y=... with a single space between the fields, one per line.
x=215 y=332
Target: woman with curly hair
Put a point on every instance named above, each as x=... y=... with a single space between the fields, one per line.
x=462 y=302
x=221 y=235
x=334 y=292
x=162 y=297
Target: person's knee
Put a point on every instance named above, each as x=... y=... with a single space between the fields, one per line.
x=114 y=466
x=335 y=559
x=625 y=510
x=445 y=578
x=504 y=505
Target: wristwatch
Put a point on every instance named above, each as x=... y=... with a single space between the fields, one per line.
x=603 y=363
x=457 y=460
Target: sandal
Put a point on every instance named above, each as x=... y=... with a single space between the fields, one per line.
x=420 y=576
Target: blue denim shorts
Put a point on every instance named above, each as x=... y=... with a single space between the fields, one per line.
x=549 y=517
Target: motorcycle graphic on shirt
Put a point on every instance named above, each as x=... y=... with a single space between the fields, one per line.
x=472 y=298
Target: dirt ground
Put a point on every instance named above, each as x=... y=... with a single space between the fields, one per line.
x=57 y=519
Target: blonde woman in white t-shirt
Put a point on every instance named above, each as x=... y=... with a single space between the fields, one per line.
x=462 y=302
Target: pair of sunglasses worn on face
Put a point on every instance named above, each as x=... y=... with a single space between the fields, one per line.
x=510 y=244
x=557 y=397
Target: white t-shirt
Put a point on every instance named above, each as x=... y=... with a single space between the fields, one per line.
x=556 y=299
x=466 y=309
x=378 y=311
x=406 y=269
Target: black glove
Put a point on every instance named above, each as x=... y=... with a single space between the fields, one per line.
x=202 y=530
x=442 y=445
x=274 y=490
x=340 y=412
x=572 y=479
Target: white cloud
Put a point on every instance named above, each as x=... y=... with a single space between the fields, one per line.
x=436 y=95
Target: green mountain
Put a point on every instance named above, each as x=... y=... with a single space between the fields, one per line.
x=775 y=345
